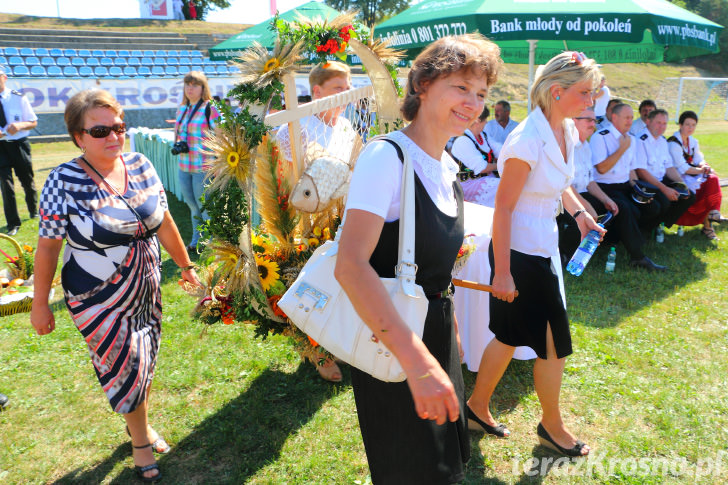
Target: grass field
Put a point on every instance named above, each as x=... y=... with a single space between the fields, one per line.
x=646 y=385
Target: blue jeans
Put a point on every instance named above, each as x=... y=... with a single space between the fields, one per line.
x=192 y=187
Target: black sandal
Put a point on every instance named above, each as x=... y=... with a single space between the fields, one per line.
x=141 y=470
x=548 y=442
x=477 y=424
x=159 y=446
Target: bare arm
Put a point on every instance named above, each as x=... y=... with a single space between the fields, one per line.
x=44 y=268
x=513 y=178
x=431 y=388
x=13 y=128
x=584 y=220
x=171 y=240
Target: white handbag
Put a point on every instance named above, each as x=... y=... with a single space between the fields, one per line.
x=317 y=305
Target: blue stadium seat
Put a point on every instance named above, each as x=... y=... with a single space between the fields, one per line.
x=172 y=61
x=148 y=54
x=41 y=51
x=233 y=69
x=101 y=71
x=70 y=52
x=173 y=53
x=160 y=61
x=93 y=62
x=171 y=71
x=21 y=71
x=3 y=61
x=210 y=70
x=161 y=53
x=63 y=61
x=106 y=61
x=136 y=54
x=115 y=71
x=196 y=68
x=185 y=61
x=11 y=51
x=55 y=71
x=185 y=54
x=70 y=71
x=111 y=53
x=157 y=71
x=78 y=61
x=53 y=52
x=134 y=61
x=15 y=61
x=123 y=53
x=184 y=69
x=147 y=61
x=130 y=71
x=121 y=61
x=47 y=61
x=144 y=71
x=26 y=51
x=196 y=53
x=200 y=60
x=85 y=71
x=32 y=61
x=84 y=53
x=97 y=53
x=38 y=71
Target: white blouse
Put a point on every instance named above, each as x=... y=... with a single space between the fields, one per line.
x=583 y=168
x=377 y=179
x=533 y=224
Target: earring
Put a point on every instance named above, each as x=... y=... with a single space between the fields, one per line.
x=83 y=149
x=558 y=97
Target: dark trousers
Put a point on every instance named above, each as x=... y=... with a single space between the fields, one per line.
x=625 y=226
x=569 y=234
x=670 y=211
x=15 y=155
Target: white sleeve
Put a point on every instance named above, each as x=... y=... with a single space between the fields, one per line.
x=496 y=147
x=489 y=131
x=28 y=113
x=677 y=157
x=641 y=155
x=698 y=156
x=598 y=146
x=464 y=150
x=375 y=183
x=521 y=146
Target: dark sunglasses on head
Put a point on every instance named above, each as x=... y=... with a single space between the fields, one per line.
x=101 y=131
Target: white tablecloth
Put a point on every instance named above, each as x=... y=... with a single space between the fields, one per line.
x=471 y=306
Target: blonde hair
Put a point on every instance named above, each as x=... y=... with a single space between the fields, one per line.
x=562 y=70
x=323 y=72
x=446 y=56
x=83 y=102
x=198 y=79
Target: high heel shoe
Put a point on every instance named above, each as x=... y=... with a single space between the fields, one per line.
x=548 y=442
x=477 y=424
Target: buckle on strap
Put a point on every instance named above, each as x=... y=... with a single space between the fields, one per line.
x=399 y=270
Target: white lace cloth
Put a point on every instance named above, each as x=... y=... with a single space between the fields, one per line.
x=338 y=140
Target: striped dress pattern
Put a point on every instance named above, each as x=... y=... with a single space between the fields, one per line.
x=111 y=270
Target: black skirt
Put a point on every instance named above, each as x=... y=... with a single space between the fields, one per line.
x=538 y=304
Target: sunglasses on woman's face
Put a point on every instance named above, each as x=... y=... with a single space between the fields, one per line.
x=101 y=131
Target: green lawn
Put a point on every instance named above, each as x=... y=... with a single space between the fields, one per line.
x=647 y=382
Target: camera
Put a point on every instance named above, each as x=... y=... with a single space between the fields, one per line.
x=180 y=147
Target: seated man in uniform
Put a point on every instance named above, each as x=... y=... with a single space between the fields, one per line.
x=613 y=157
x=653 y=164
x=607 y=120
x=638 y=125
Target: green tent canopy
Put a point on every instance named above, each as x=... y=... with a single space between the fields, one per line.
x=261 y=33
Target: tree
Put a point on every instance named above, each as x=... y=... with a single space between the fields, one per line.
x=203 y=6
x=717 y=11
x=371 y=12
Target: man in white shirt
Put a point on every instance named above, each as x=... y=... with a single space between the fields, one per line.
x=639 y=125
x=16 y=120
x=653 y=164
x=501 y=125
x=606 y=119
x=601 y=99
x=613 y=158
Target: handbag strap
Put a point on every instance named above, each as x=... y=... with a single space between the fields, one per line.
x=406 y=269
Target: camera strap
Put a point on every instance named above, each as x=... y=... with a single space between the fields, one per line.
x=189 y=118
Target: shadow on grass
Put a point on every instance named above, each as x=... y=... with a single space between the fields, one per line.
x=243 y=436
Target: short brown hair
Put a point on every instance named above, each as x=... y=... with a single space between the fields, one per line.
x=199 y=79
x=446 y=56
x=323 y=72
x=83 y=102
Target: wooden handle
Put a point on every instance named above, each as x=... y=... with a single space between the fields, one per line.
x=474 y=285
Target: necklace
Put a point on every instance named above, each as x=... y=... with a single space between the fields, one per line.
x=114 y=188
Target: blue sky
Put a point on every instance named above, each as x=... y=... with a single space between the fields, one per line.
x=241 y=11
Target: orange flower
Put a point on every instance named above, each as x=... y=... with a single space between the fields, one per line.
x=313 y=342
x=227 y=319
x=273 y=300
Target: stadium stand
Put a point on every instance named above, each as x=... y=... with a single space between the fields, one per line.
x=20 y=71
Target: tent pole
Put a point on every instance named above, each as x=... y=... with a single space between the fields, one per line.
x=531 y=61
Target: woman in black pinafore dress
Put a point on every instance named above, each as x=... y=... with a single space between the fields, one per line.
x=415 y=431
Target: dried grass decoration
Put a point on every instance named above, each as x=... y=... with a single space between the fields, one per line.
x=259 y=68
x=233 y=156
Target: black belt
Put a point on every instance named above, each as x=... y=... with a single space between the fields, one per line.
x=16 y=140
x=470 y=175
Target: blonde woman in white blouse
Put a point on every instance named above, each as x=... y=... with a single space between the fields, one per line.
x=527 y=306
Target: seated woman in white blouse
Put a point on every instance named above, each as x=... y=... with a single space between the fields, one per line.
x=527 y=305
x=474 y=151
x=415 y=431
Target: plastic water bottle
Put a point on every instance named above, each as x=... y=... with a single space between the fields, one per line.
x=583 y=253
x=611 y=261
x=680 y=231
x=660 y=236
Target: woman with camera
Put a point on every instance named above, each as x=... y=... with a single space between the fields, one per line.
x=195 y=116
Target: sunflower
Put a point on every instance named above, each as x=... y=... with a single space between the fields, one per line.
x=268 y=271
x=259 y=67
x=272 y=63
x=233 y=156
